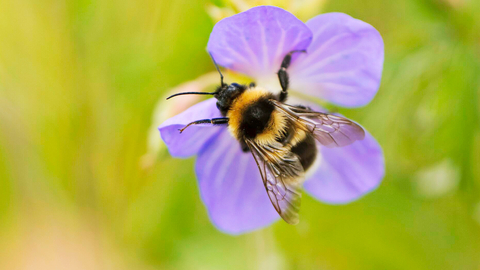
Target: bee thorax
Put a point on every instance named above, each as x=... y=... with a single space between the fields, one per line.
x=253 y=116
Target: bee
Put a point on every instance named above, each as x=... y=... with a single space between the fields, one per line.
x=281 y=137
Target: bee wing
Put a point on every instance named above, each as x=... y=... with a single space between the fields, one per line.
x=282 y=175
x=328 y=129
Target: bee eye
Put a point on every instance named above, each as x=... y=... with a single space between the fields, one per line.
x=235 y=84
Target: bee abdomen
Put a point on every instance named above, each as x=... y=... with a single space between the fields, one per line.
x=306 y=150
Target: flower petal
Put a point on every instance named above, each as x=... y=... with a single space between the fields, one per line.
x=254 y=42
x=190 y=141
x=231 y=186
x=343 y=63
x=347 y=173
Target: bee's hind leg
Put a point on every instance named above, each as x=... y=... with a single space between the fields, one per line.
x=283 y=75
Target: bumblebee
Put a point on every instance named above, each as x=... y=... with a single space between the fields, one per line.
x=282 y=138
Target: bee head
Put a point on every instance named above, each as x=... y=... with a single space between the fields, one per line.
x=226 y=94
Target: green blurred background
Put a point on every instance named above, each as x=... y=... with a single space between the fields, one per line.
x=79 y=82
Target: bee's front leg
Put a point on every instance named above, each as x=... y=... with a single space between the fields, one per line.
x=214 y=121
x=244 y=146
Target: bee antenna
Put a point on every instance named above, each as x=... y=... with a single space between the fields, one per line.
x=191 y=93
x=218 y=69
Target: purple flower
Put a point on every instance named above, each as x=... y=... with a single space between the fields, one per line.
x=343 y=65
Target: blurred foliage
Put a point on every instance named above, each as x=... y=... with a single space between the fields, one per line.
x=79 y=81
